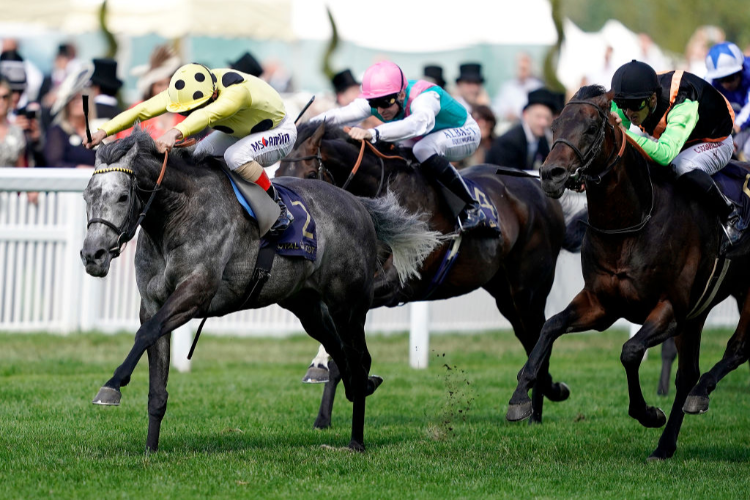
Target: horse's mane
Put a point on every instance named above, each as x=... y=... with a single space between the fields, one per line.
x=178 y=157
x=589 y=92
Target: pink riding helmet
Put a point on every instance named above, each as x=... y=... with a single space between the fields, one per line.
x=382 y=79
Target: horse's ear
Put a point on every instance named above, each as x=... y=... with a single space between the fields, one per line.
x=610 y=95
x=317 y=136
x=130 y=155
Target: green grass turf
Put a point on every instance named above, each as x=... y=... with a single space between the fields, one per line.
x=240 y=425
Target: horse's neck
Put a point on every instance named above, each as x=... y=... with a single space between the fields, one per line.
x=169 y=199
x=623 y=198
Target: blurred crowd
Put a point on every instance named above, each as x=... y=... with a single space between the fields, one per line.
x=42 y=123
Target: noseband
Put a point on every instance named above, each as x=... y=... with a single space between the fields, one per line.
x=126 y=232
x=587 y=159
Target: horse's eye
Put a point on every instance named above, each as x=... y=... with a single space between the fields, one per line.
x=312 y=175
x=123 y=198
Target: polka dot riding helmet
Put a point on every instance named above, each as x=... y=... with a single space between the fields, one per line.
x=192 y=85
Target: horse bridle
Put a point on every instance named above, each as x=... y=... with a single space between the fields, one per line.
x=126 y=232
x=322 y=169
x=586 y=160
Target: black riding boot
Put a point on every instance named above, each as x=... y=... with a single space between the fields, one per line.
x=285 y=217
x=447 y=174
x=702 y=185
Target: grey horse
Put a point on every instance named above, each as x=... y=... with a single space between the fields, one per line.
x=196 y=255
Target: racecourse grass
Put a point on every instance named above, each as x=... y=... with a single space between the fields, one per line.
x=240 y=425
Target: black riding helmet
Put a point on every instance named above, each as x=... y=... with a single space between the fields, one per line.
x=634 y=81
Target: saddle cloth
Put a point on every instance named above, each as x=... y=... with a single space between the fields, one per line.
x=300 y=239
x=492 y=221
x=733 y=182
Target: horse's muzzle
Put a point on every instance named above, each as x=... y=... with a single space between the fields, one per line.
x=96 y=261
x=553 y=179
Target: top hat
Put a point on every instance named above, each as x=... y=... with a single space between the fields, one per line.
x=105 y=76
x=545 y=97
x=470 y=72
x=343 y=80
x=434 y=73
x=247 y=64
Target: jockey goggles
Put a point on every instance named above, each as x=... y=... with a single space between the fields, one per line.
x=383 y=102
x=631 y=104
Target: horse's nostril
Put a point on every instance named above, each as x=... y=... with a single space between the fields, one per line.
x=99 y=254
x=557 y=172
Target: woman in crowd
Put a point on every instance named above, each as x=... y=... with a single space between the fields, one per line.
x=64 y=146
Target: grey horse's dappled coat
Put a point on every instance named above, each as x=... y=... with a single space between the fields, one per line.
x=197 y=252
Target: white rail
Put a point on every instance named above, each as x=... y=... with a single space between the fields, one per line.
x=43 y=286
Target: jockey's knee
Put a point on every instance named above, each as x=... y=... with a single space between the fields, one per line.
x=423 y=150
x=250 y=171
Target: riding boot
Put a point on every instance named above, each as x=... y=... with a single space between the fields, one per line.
x=701 y=184
x=285 y=216
x=472 y=215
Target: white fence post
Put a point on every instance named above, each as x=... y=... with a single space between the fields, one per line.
x=419 y=334
x=182 y=339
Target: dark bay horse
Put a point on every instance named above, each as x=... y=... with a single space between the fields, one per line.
x=197 y=251
x=516 y=268
x=648 y=256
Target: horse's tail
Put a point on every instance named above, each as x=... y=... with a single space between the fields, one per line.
x=575 y=230
x=407 y=235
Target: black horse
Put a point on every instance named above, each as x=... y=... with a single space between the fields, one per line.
x=649 y=256
x=197 y=251
x=517 y=267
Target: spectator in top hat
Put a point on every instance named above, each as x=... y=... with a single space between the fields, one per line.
x=434 y=73
x=513 y=94
x=470 y=86
x=104 y=87
x=346 y=87
x=526 y=145
x=247 y=64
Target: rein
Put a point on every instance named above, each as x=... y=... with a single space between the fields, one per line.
x=580 y=173
x=126 y=232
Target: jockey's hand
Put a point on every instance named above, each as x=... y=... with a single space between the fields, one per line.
x=617 y=117
x=360 y=134
x=166 y=141
x=96 y=139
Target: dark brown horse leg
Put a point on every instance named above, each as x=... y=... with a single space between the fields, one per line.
x=668 y=355
x=158 y=374
x=736 y=353
x=524 y=308
x=659 y=326
x=323 y=421
x=583 y=313
x=688 y=371
x=190 y=296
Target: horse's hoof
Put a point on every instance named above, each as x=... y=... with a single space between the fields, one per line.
x=107 y=397
x=659 y=455
x=316 y=375
x=655 y=418
x=662 y=391
x=695 y=405
x=373 y=382
x=518 y=412
x=322 y=423
x=535 y=420
x=356 y=446
x=558 y=392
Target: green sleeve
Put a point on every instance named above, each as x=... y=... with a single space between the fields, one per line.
x=625 y=121
x=155 y=106
x=681 y=121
